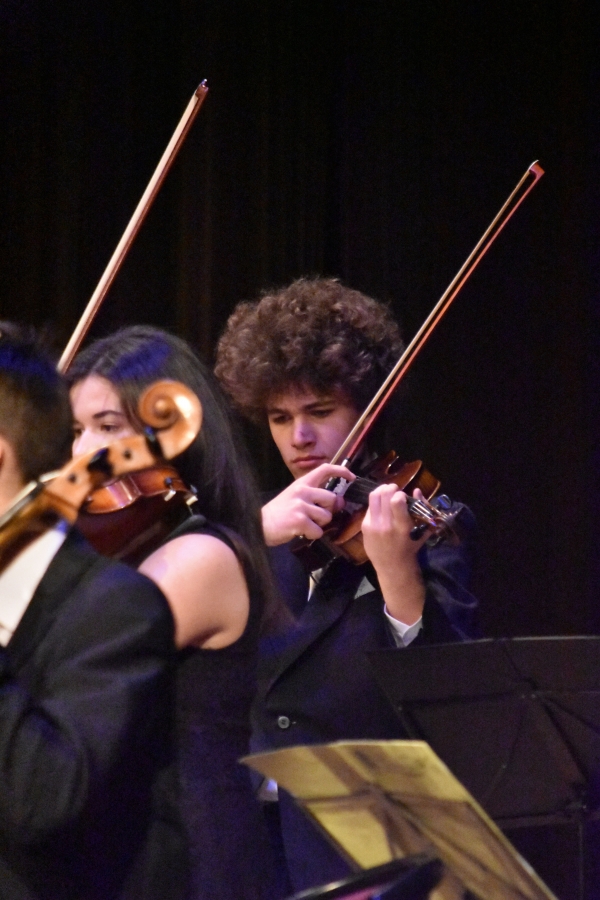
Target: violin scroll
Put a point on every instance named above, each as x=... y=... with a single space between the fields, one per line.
x=437 y=517
x=173 y=411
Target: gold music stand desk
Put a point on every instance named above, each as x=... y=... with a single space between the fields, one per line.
x=382 y=800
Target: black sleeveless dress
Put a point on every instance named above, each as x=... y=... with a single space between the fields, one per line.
x=229 y=857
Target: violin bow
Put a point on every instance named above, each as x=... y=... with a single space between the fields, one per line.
x=122 y=248
x=351 y=445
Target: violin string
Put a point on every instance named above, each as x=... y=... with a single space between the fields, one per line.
x=361 y=488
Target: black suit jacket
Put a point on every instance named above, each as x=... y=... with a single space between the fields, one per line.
x=315 y=682
x=85 y=736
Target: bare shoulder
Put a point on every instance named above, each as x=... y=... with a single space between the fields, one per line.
x=195 y=550
x=204 y=583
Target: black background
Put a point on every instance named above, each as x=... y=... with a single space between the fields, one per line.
x=372 y=141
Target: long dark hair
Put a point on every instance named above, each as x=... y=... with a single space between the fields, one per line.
x=216 y=463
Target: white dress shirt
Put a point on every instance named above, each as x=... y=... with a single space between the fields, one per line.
x=403 y=634
x=20 y=579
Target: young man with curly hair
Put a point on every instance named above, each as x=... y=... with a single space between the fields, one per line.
x=306 y=360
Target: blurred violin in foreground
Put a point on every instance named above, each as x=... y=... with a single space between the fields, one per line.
x=172 y=416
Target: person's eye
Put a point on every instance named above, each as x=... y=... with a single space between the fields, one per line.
x=279 y=420
x=322 y=413
x=77 y=431
x=109 y=427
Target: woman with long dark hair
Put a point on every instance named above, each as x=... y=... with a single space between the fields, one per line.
x=212 y=568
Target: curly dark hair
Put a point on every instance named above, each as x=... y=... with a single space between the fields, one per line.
x=316 y=334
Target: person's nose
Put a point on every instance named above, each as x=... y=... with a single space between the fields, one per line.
x=87 y=441
x=302 y=434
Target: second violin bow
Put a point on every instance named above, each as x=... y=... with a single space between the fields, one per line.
x=352 y=443
x=133 y=226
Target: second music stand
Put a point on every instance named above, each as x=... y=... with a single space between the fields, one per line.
x=516 y=720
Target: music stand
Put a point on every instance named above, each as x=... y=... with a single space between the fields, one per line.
x=411 y=878
x=516 y=720
x=382 y=800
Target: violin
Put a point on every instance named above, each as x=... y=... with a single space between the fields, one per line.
x=128 y=517
x=172 y=416
x=434 y=513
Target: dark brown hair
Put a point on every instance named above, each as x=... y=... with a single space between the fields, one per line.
x=35 y=414
x=315 y=334
x=215 y=463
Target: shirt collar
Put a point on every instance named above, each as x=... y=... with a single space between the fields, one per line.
x=20 y=579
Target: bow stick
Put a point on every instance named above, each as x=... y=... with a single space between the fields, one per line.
x=133 y=227
x=354 y=440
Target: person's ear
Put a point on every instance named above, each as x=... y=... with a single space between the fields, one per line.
x=8 y=460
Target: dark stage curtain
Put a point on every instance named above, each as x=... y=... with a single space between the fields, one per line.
x=370 y=141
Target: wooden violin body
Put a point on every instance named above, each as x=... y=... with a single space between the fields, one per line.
x=343 y=536
x=129 y=517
